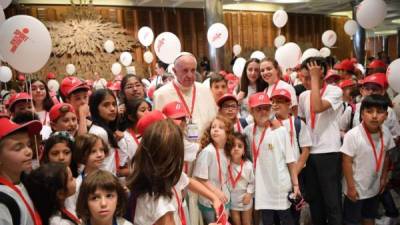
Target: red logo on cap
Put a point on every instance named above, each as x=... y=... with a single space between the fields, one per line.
x=178 y=106
x=261 y=97
x=282 y=93
x=19 y=37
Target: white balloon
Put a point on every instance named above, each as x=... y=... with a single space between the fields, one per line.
x=393 y=75
x=146 y=83
x=5 y=3
x=280 y=18
x=396 y=105
x=237 y=49
x=145 y=36
x=100 y=84
x=116 y=68
x=167 y=46
x=329 y=38
x=53 y=85
x=148 y=57
x=25 y=43
x=131 y=70
x=257 y=55
x=109 y=46
x=311 y=52
x=125 y=58
x=2 y=16
x=217 y=35
x=289 y=55
x=350 y=27
x=238 y=66
x=325 y=52
x=70 y=68
x=5 y=74
x=371 y=13
x=279 y=41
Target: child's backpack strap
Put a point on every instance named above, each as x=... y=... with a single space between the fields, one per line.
x=12 y=206
x=297 y=127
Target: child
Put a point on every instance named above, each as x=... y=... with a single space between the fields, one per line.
x=15 y=159
x=365 y=164
x=41 y=100
x=62 y=118
x=218 y=86
x=20 y=104
x=273 y=162
x=102 y=200
x=241 y=181
x=211 y=167
x=229 y=107
x=49 y=186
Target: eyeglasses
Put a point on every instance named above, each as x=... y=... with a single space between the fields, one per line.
x=133 y=86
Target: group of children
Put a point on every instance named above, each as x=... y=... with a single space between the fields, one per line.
x=107 y=158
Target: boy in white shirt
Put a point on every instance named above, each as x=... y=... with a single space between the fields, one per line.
x=365 y=164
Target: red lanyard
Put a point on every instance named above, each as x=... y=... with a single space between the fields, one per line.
x=291 y=129
x=179 y=93
x=45 y=119
x=378 y=160
x=181 y=212
x=133 y=134
x=71 y=216
x=34 y=215
x=237 y=178
x=116 y=154
x=255 y=149
x=273 y=89
x=311 y=107
x=219 y=166
x=238 y=127
x=186 y=167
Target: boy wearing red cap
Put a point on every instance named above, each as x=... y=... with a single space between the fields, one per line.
x=349 y=107
x=62 y=118
x=19 y=104
x=15 y=159
x=274 y=163
x=229 y=107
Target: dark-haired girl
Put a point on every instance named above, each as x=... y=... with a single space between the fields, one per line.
x=41 y=100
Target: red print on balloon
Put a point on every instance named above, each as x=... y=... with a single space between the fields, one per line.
x=160 y=44
x=216 y=37
x=18 y=38
x=331 y=37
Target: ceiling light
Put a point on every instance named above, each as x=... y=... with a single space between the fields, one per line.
x=343 y=13
x=283 y=1
x=246 y=6
x=396 y=21
x=386 y=32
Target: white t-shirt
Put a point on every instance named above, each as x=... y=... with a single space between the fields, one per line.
x=44 y=117
x=283 y=85
x=326 y=134
x=191 y=149
x=5 y=215
x=244 y=185
x=46 y=132
x=56 y=219
x=70 y=202
x=244 y=107
x=206 y=168
x=357 y=146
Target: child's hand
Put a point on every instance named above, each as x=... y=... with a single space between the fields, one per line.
x=382 y=184
x=118 y=135
x=84 y=111
x=216 y=203
x=221 y=196
x=315 y=70
x=296 y=190
x=247 y=199
x=352 y=193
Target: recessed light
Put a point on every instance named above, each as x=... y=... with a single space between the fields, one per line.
x=385 y=32
x=283 y=1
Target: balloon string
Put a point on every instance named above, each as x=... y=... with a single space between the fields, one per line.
x=279 y=31
x=33 y=114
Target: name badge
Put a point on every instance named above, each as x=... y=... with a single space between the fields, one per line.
x=192 y=132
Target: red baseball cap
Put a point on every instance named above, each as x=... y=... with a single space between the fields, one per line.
x=376 y=78
x=51 y=76
x=114 y=86
x=346 y=83
x=258 y=99
x=22 y=96
x=338 y=66
x=8 y=127
x=174 y=110
x=71 y=84
x=225 y=98
x=148 y=119
x=347 y=65
x=282 y=93
x=376 y=64
x=89 y=83
x=332 y=73
x=21 y=77
x=59 y=109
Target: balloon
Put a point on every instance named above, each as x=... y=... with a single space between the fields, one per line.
x=2 y=16
x=238 y=66
x=25 y=43
x=131 y=70
x=396 y=105
x=257 y=55
x=70 y=68
x=5 y=3
x=393 y=75
x=311 y=52
x=1 y=58
x=148 y=57
x=5 y=74
x=288 y=55
x=53 y=85
x=125 y=58
x=329 y=38
x=237 y=49
x=325 y=52
x=217 y=35
x=371 y=13
x=167 y=46
x=146 y=82
x=109 y=46
x=145 y=36
x=350 y=27
x=280 y=18
x=279 y=41
x=100 y=84
x=116 y=68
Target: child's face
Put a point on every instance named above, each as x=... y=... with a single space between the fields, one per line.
x=22 y=107
x=253 y=72
x=369 y=89
x=229 y=109
x=38 y=91
x=347 y=92
x=268 y=72
x=142 y=109
x=61 y=153
x=261 y=114
x=237 y=151
x=16 y=154
x=133 y=89
x=78 y=99
x=218 y=89
x=96 y=156
x=280 y=106
x=102 y=204
x=217 y=132
x=108 y=108
x=68 y=122
x=373 y=117
x=71 y=184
